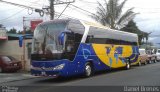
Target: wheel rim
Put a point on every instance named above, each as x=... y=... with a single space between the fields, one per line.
x=88 y=70
x=145 y=63
x=128 y=65
x=139 y=63
x=155 y=61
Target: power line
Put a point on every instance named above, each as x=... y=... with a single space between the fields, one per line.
x=56 y=2
x=78 y=10
x=63 y=10
x=74 y=18
x=81 y=9
x=124 y=6
x=8 y=10
x=88 y=2
x=32 y=2
x=23 y=6
x=12 y=15
x=16 y=12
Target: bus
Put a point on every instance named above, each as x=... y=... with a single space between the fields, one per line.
x=68 y=47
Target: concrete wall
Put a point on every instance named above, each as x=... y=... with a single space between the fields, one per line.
x=11 y=47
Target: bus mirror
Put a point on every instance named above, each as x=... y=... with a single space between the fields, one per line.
x=61 y=38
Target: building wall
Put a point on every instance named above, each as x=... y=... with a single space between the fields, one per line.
x=11 y=47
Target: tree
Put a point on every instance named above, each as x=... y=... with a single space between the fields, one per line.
x=110 y=14
x=132 y=27
x=1 y=26
x=13 y=31
x=28 y=31
x=19 y=32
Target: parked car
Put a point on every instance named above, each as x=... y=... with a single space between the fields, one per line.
x=152 y=56
x=143 y=57
x=158 y=54
x=9 y=64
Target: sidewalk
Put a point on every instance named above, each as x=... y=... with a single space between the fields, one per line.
x=8 y=77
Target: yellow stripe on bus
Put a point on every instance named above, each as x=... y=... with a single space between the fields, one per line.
x=101 y=52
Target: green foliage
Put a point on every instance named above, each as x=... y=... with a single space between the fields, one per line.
x=132 y=27
x=13 y=31
x=28 y=31
x=1 y=26
x=110 y=14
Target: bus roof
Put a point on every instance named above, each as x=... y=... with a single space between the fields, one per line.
x=96 y=30
x=100 y=31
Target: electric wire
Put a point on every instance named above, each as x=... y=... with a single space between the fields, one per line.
x=2 y=20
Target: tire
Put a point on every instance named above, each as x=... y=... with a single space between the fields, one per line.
x=128 y=66
x=88 y=69
x=1 y=70
x=139 y=63
x=145 y=63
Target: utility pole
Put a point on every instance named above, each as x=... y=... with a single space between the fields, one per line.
x=24 y=47
x=49 y=10
x=52 y=12
x=57 y=2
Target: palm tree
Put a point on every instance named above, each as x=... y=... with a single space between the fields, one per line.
x=110 y=14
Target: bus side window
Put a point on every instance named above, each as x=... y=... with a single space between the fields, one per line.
x=70 y=42
x=70 y=46
x=89 y=39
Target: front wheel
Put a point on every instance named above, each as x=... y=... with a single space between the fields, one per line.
x=139 y=63
x=150 y=61
x=88 y=70
x=145 y=63
x=155 y=61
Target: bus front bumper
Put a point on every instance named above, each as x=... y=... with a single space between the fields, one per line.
x=47 y=71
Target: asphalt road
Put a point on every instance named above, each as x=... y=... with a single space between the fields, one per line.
x=145 y=75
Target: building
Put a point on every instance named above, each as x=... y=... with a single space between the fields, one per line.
x=10 y=46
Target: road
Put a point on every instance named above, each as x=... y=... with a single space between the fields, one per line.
x=145 y=75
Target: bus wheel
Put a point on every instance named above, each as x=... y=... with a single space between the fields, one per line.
x=139 y=63
x=88 y=69
x=128 y=66
x=145 y=63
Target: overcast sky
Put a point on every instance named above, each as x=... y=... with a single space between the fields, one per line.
x=147 y=20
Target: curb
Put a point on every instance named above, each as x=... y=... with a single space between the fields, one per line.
x=19 y=79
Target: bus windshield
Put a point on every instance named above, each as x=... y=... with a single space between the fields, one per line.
x=53 y=41
x=46 y=38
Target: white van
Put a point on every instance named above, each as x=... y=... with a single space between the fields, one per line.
x=158 y=54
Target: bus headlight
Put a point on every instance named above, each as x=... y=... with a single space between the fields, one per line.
x=59 y=67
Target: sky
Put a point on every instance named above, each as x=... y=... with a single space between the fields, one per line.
x=147 y=20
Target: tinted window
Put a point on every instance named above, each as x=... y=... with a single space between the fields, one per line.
x=91 y=39
x=47 y=36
